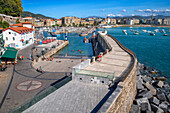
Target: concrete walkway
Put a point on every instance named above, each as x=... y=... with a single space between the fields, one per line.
x=116 y=61
x=23 y=71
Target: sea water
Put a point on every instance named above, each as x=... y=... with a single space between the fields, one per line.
x=153 y=51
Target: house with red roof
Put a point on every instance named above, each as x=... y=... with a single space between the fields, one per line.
x=18 y=37
x=24 y=24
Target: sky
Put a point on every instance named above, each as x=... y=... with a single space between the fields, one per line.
x=102 y=8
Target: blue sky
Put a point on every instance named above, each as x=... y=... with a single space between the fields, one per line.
x=103 y=8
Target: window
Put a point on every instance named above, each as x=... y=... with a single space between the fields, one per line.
x=102 y=81
x=80 y=78
x=13 y=38
x=6 y=38
x=9 y=32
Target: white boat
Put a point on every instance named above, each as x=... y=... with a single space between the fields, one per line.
x=149 y=31
x=136 y=33
x=144 y=31
x=124 y=31
x=156 y=30
x=152 y=34
x=106 y=26
x=162 y=31
x=165 y=34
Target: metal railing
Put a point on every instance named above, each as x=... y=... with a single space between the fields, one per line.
x=42 y=94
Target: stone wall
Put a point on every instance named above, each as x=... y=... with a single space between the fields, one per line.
x=121 y=99
x=103 y=42
x=52 y=52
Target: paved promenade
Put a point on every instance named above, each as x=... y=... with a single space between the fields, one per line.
x=74 y=97
x=57 y=65
x=80 y=97
x=12 y=96
x=116 y=61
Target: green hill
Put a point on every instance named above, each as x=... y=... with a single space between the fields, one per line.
x=11 y=7
x=27 y=13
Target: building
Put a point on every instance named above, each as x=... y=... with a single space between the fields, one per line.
x=68 y=21
x=112 y=21
x=24 y=24
x=39 y=23
x=129 y=22
x=166 y=21
x=18 y=37
x=58 y=22
x=136 y=21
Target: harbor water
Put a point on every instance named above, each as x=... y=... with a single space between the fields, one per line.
x=153 y=51
x=76 y=46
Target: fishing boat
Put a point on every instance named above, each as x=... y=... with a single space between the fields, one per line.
x=152 y=34
x=156 y=30
x=149 y=31
x=136 y=33
x=124 y=31
x=86 y=40
x=165 y=34
x=162 y=31
x=168 y=31
x=144 y=30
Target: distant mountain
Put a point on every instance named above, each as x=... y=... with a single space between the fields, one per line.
x=143 y=17
x=27 y=13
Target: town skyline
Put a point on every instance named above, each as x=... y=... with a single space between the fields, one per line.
x=58 y=9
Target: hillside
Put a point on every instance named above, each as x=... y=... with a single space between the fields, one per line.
x=27 y=13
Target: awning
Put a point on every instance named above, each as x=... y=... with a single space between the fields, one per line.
x=10 y=53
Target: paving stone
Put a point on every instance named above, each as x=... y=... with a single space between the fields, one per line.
x=164 y=107
x=134 y=109
x=151 y=88
x=156 y=109
x=144 y=103
x=161 y=96
x=154 y=100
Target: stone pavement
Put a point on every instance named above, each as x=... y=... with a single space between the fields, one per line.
x=24 y=72
x=57 y=65
x=74 y=97
x=116 y=61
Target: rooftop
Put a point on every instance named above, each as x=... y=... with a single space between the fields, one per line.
x=19 y=29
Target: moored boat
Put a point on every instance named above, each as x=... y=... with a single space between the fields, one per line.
x=152 y=34
x=165 y=34
x=124 y=31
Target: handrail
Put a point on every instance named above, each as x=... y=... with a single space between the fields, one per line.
x=130 y=52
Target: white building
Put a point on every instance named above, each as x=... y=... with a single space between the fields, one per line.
x=129 y=22
x=24 y=24
x=18 y=37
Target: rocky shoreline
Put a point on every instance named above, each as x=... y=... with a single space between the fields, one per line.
x=153 y=93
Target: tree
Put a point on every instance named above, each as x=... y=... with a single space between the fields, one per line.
x=87 y=24
x=17 y=21
x=57 y=25
x=5 y=24
x=64 y=25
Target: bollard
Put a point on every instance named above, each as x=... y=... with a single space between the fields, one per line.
x=107 y=51
x=93 y=58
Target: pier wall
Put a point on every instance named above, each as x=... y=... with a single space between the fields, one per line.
x=121 y=99
x=103 y=42
x=52 y=52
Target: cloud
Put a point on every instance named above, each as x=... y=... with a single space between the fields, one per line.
x=124 y=10
x=119 y=15
x=133 y=14
x=111 y=15
x=154 y=11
